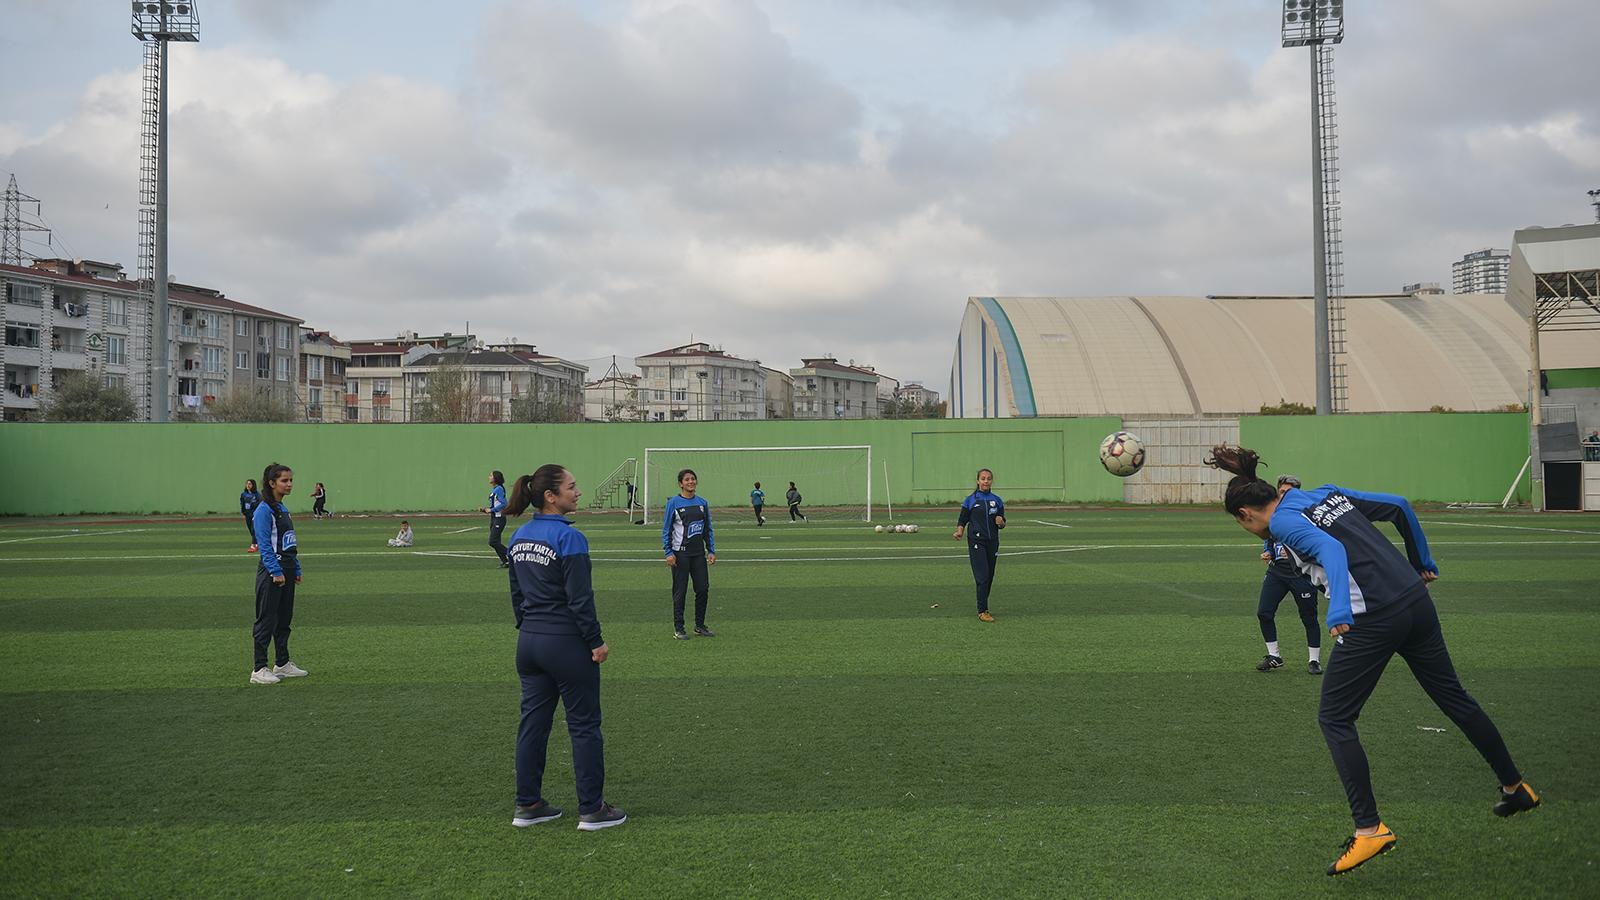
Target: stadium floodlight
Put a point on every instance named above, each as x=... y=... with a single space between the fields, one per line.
x=1308 y=22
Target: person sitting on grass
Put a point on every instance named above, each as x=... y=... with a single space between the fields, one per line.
x=403 y=539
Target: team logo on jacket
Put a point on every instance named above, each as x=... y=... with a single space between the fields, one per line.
x=288 y=540
x=540 y=554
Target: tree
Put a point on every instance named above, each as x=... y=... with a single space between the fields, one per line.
x=451 y=394
x=910 y=409
x=244 y=404
x=547 y=408
x=85 y=397
x=1287 y=408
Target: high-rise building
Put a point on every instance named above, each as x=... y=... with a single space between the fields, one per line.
x=1481 y=272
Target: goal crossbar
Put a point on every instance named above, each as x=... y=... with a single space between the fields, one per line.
x=645 y=486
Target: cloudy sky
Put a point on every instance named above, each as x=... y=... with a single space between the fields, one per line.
x=790 y=178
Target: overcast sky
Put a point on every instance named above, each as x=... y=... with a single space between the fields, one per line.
x=790 y=178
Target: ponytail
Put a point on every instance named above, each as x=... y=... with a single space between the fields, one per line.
x=529 y=490
x=1245 y=489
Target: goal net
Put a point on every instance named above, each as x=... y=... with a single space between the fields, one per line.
x=835 y=482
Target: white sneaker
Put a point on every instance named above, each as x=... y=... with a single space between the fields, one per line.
x=264 y=675
x=289 y=670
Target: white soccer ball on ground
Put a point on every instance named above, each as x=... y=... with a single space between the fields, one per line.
x=915 y=528
x=899 y=529
x=878 y=528
x=1122 y=454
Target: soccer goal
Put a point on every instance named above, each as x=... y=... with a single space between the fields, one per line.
x=835 y=482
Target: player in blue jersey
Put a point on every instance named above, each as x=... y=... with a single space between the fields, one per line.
x=496 y=511
x=559 y=649
x=275 y=583
x=1283 y=577
x=758 y=499
x=983 y=514
x=1378 y=606
x=249 y=499
x=690 y=548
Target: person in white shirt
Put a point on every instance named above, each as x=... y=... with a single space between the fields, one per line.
x=403 y=539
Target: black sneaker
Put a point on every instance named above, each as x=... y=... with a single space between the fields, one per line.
x=1313 y=668
x=680 y=634
x=505 y=564
x=704 y=631
x=1269 y=662
x=1520 y=800
x=534 y=814
x=604 y=817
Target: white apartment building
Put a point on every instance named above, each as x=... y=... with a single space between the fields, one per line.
x=825 y=389
x=1481 y=272
x=696 y=382
x=323 y=360
x=614 y=398
x=66 y=316
x=914 y=392
x=780 y=394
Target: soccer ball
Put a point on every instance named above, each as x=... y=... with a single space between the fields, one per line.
x=902 y=528
x=878 y=528
x=916 y=528
x=1122 y=454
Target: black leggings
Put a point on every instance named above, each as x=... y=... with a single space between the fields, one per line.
x=274 y=612
x=319 y=507
x=497 y=526
x=690 y=567
x=1273 y=587
x=1358 y=663
x=794 y=510
x=984 y=556
x=250 y=526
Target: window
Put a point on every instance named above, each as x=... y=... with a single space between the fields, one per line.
x=116 y=381
x=116 y=350
x=314 y=368
x=380 y=387
x=117 y=311
x=19 y=335
x=352 y=413
x=263 y=365
x=338 y=367
x=263 y=328
x=211 y=326
x=315 y=396
x=211 y=388
x=241 y=328
x=283 y=368
x=215 y=362
x=380 y=414
x=283 y=336
x=490 y=383
x=25 y=294
x=241 y=359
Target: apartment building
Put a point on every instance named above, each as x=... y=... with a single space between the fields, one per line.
x=700 y=383
x=826 y=389
x=323 y=360
x=780 y=394
x=614 y=398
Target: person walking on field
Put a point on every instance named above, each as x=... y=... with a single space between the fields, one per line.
x=497 y=516
x=793 y=496
x=559 y=649
x=758 y=499
x=1378 y=606
x=249 y=499
x=275 y=584
x=983 y=514
x=690 y=548
x=1283 y=577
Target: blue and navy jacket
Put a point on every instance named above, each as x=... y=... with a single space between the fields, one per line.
x=1279 y=561
x=758 y=497
x=248 y=501
x=497 y=501
x=551 y=588
x=1330 y=533
x=977 y=515
x=275 y=537
x=686 y=527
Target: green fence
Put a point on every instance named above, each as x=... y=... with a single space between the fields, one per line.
x=52 y=469
x=1445 y=457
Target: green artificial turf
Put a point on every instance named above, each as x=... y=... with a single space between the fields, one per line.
x=854 y=730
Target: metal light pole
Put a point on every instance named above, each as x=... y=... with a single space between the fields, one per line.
x=157 y=24
x=1319 y=24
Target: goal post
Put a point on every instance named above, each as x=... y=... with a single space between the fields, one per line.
x=834 y=481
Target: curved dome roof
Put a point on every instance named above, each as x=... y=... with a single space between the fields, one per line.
x=1186 y=356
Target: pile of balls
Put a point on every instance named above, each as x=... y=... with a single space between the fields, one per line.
x=897 y=529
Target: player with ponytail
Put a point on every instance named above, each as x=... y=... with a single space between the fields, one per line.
x=1378 y=606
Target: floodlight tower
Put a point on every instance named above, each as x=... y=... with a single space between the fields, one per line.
x=1319 y=24
x=1594 y=201
x=156 y=25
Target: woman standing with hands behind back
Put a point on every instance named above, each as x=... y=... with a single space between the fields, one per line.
x=559 y=649
x=274 y=532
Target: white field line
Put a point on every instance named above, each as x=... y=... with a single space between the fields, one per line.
x=463 y=530
x=1122 y=548
x=1510 y=527
x=1051 y=524
x=461 y=555
x=52 y=537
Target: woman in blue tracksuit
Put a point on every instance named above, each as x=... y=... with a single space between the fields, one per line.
x=275 y=585
x=249 y=499
x=559 y=649
x=983 y=514
x=690 y=548
x=1378 y=606
x=496 y=511
x=1283 y=577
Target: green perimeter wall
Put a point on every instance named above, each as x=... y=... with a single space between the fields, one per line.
x=54 y=469
x=1445 y=457
x=59 y=469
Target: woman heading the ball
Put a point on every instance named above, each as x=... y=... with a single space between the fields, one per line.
x=690 y=547
x=983 y=514
x=1378 y=606
x=275 y=584
x=1284 y=577
x=559 y=649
